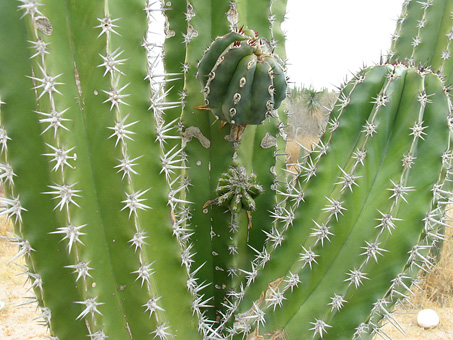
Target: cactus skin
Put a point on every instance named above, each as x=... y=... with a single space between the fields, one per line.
x=423 y=36
x=212 y=54
x=242 y=82
x=115 y=168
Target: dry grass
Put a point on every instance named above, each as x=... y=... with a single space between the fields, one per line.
x=437 y=286
x=436 y=293
x=17 y=321
x=8 y=271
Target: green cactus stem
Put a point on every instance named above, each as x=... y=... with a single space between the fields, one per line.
x=87 y=193
x=344 y=253
x=423 y=36
x=210 y=149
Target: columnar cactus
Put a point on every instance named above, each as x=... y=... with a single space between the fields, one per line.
x=424 y=34
x=159 y=205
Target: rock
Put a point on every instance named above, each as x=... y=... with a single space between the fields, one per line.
x=427 y=318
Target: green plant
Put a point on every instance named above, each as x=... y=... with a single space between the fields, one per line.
x=423 y=36
x=142 y=215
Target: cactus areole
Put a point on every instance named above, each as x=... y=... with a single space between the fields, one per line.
x=243 y=82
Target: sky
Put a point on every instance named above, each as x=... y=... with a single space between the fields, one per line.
x=329 y=40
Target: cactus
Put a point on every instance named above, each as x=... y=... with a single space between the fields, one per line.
x=144 y=211
x=242 y=82
x=423 y=36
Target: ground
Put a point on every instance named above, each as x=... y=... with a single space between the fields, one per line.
x=23 y=323
x=16 y=322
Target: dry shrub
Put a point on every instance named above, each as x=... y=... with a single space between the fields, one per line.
x=6 y=227
x=8 y=271
x=308 y=116
x=294 y=148
x=437 y=285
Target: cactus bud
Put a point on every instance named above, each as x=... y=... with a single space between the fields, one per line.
x=249 y=83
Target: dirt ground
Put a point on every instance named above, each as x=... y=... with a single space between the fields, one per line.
x=16 y=322
x=22 y=322
x=408 y=320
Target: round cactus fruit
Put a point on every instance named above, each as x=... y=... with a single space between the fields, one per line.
x=242 y=82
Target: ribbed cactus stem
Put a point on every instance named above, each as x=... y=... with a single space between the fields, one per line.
x=423 y=35
x=100 y=226
x=341 y=218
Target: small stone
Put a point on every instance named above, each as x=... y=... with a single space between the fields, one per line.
x=427 y=318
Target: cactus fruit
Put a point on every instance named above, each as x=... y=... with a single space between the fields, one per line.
x=242 y=81
x=142 y=217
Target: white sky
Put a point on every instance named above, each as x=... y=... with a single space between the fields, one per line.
x=328 y=40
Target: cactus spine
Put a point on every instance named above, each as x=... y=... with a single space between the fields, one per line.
x=142 y=216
